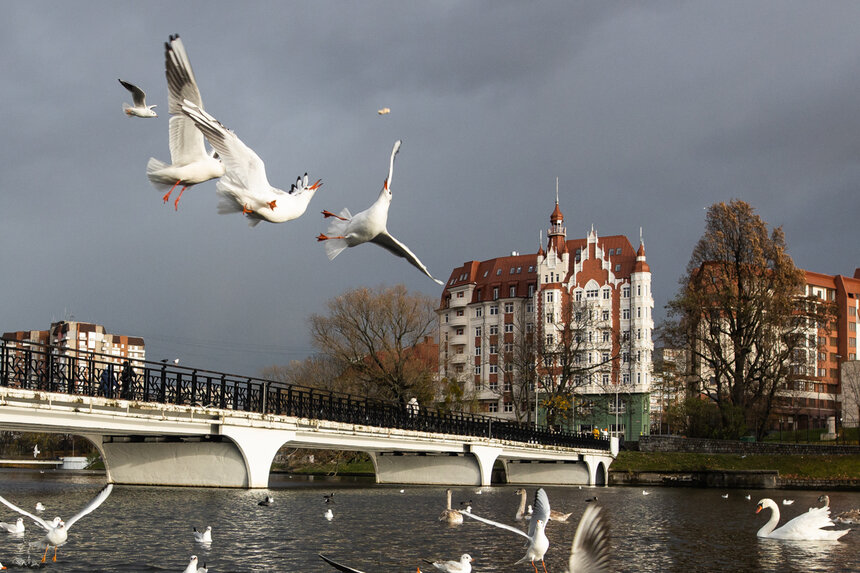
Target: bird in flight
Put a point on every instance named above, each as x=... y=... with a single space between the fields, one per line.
x=190 y=163
x=369 y=226
x=139 y=109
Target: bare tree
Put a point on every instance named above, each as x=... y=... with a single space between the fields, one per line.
x=743 y=314
x=379 y=338
x=317 y=371
x=851 y=393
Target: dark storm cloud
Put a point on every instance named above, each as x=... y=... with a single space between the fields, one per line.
x=647 y=113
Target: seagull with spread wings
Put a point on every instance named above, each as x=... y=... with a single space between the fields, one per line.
x=139 y=109
x=369 y=226
x=58 y=530
x=244 y=187
x=190 y=163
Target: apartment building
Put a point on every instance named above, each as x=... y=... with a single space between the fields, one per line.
x=73 y=338
x=510 y=327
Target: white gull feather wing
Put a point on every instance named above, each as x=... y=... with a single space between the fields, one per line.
x=91 y=506
x=392 y=245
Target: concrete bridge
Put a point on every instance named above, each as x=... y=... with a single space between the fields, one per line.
x=172 y=426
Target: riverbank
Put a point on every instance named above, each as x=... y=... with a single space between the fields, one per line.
x=733 y=470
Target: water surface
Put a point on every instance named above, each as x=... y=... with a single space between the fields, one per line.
x=378 y=529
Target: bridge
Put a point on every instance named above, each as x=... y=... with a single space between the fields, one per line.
x=160 y=424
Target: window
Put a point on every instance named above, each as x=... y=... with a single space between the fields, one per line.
x=625 y=357
x=549 y=317
x=493 y=350
x=498 y=272
x=509 y=307
x=606 y=294
x=617 y=268
x=530 y=327
x=494 y=369
x=513 y=292
x=625 y=292
x=625 y=378
x=494 y=309
x=460 y=312
x=578 y=296
x=512 y=270
x=605 y=357
x=638 y=290
x=509 y=347
x=605 y=336
x=508 y=368
x=852 y=326
x=852 y=311
x=549 y=296
x=531 y=269
x=509 y=327
x=479 y=312
x=493 y=407
x=477 y=351
x=460 y=294
x=478 y=331
x=625 y=313
x=591 y=293
x=605 y=315
x=549 y=340
x=495 y=293
x=478 y=370
x=509 y=406
x=638 y=312
x=494 y=329
x=605 y=378
x=530 y=307
x=531 y=290
x=459 y=331
x=446 y=318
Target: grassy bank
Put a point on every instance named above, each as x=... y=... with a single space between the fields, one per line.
x=799 y=467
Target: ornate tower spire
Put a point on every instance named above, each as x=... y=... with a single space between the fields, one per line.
x=557 y=234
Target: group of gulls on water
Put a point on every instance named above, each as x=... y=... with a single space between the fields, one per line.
x=242 y=182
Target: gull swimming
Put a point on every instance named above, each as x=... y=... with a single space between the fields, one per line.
x=139 y=109
x=463 y=565
x=805 y=527
x=267 y=502
x=190 y=163
x=16 y=528
x=369 y=226
x=193 y=568
x=538 y=541
x=329 y=514
x=58 y=530
x=787 y=501
x=244 y=187
x=205 y=536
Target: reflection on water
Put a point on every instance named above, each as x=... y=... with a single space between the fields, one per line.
x=378 y=529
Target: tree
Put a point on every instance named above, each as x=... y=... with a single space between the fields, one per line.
x=317 y=371
x=574 y=350
x=851 y=393
x=381 y=339
x=743 y=316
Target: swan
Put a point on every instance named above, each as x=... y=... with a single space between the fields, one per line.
x=58 y=531
x=370 y=226
x=451 y=516
x=523 y=514
x=538 y=543
x=805 y=527
x=190 y=162
x=852 y=516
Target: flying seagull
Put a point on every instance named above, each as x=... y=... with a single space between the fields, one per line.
x=139 y=109
x=537 y=539
x=369 y=226
x=58 y=530
x=244 y=187
x=190 y=162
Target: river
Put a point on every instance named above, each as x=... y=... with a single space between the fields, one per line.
x=381 y=529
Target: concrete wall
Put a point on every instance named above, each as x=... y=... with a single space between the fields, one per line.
x=700 y=445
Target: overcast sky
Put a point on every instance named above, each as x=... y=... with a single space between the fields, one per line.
x=647 y=112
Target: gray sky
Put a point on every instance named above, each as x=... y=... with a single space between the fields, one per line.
x=648 y=112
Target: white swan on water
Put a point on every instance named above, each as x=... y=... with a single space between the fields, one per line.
x=522 y=514
x=805 y=527
x=451 y=516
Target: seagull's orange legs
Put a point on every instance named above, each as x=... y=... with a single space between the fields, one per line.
x=272 y=204
x=327 y=214
x=55 y=553
x=322 y=237
x=176 y=203
x=167 y=196
x=246 y=210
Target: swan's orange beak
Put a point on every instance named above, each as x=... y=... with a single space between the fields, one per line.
x=758 y=508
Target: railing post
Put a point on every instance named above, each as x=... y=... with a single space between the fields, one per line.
x=222 y=402
x=163 y=392
x=265 y=400
x=193 y=400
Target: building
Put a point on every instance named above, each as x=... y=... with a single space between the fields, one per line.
x=814 y=396
x=576 y=315
x=668 y=386
x=72 y=338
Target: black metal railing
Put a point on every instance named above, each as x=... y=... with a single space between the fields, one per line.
x=36 y=366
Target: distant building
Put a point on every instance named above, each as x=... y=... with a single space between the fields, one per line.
x=72 y=338
x=497 y=318
x=815 y=393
